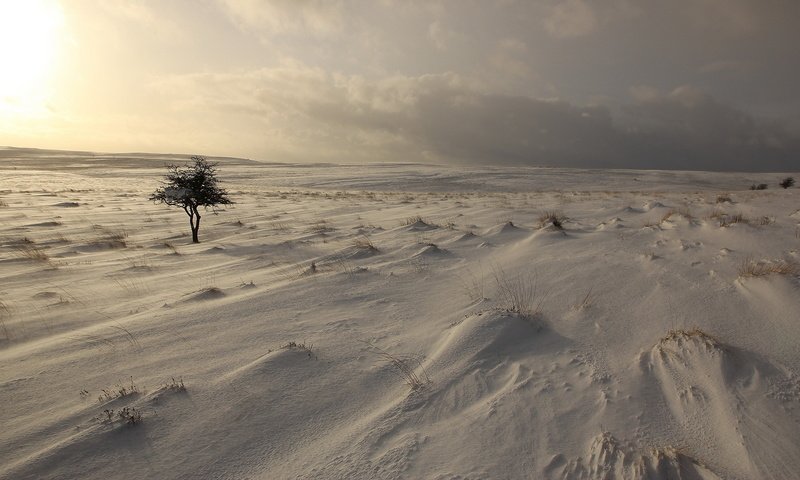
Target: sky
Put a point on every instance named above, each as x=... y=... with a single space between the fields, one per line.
x=683 y=84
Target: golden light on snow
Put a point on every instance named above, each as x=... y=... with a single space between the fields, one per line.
x=30 y=35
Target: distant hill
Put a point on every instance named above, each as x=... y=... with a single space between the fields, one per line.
x=61 y=159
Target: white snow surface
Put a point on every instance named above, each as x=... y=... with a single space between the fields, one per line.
x=628 y=344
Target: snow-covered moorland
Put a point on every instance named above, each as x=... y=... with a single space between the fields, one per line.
x=397 y=321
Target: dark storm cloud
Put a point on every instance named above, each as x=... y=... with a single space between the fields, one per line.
x=448 y=119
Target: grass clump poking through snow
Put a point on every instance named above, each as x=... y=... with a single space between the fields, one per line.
x=681 y=333
x=409 y=367
x=364 y=243
x=308 y=349
x=4 y=313
x=728 y=220
x=518 y=294
x=128 y=415
x=554 y=218
x=118 y=391
x=752 y=268
x=175 y=385
x=31 y=252
x=683 y=212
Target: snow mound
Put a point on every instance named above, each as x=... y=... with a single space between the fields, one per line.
x=465 y=237
x=431 y=250
x=420 y=226
x=505 y=230
x=725 y=401
x=652 y=205
x=607 y=458
x=210 y=293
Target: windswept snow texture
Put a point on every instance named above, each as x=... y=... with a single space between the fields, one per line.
x=397 y=321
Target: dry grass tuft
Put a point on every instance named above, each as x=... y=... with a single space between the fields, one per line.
x=472 y=285
x=117 y=391
x=728 y=220
x=554 y=218
x=321 y=227
x=175 y=385
x=5 y=312
x=518 y=294
x=407 y=366
x=113 y=238
x=364 y=243
x=724 y=198
x=308 y=349
x=683 y=212
x=32 y=252
x=418 y=219
x=676 y=335
x=128 y=415
x=752 y=268
x=586 y=302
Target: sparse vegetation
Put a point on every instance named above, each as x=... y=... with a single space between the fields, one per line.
x=752 y=268
x=114 y=238
x=308 y=349
x=518 y=294
x=321 y=227
x=554 y=218
x=32 y=252
x=724 y=198
x=760 y=186
x=5 y=312
x=682 y=334
x=683 y=212
x=473 y=285
x=586 y=302
x=728 y=220
x=175 y=385
x=413 y=220
x=127 y=415
x=363 y=242
x=409 y=367
x=118 y=391
x=787 y=182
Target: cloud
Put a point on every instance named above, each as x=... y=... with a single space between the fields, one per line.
x=441 y=36
x=508 y=59
x=726 y=66
x=279 y=17
x=570 y=18
x=688 y=128
x=736 y=17
x=310 y=114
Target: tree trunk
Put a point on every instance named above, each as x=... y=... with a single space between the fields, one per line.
x=195 y=220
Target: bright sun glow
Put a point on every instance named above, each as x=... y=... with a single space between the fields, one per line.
x=30 y=32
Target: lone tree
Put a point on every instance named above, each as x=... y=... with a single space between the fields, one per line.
x=191 y=187
x=787 y=182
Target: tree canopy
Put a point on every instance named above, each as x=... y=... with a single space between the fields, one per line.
x=191 y=187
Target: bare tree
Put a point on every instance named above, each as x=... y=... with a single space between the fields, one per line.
x=191 y=187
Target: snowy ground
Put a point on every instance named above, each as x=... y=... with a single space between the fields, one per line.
x=655 y=335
